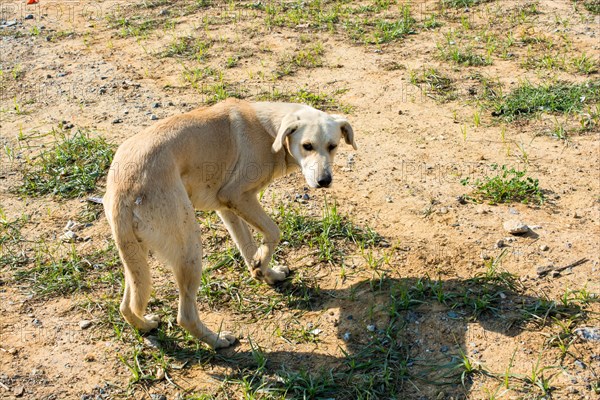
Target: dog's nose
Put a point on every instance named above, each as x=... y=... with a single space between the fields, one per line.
x=325 y=181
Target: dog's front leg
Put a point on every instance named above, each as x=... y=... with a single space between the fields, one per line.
x=248 y=208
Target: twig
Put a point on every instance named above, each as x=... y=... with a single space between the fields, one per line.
x=541 y=271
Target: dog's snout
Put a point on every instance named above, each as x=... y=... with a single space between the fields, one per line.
x=324 y=181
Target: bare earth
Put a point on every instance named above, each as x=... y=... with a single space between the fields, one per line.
x=76 y=63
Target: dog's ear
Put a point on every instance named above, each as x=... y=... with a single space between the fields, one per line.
x=289 y=124
x=346 y=129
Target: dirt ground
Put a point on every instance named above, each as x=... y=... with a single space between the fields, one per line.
x=91 y=66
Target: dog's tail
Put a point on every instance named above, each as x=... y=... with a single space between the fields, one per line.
x=134 y=255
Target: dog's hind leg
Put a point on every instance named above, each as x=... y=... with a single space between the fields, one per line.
x=187 y=266
x=138 y=286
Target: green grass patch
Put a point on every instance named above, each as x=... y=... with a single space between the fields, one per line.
x=464 y=3
x=438 y=85
x=528 y=100
x=307 y=57
x=328 y=235
x=188 y=47
x=465 y=56
x=61 y=275
x=507 y=186
x=69 y=167
x=322 y=101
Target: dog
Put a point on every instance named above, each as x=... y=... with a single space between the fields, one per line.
x=213 y=158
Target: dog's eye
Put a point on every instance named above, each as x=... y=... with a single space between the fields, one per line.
x=332 y=147
x=307 y=146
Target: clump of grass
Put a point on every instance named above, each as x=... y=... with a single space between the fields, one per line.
x=322 y=101
x=132 y=27
x=439 y=85
x=528 y=99
x=53 y=274
x=70 y=167
x=188 y=47
x=12 y=253
x=464 y=3
x=307 y=57
x=592 y=6
x=508 y=185
x=464 y=56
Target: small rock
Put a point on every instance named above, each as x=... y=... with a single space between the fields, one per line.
x=315 y=331
x=515 y=227
x=588 y=333
x=155 y=396
x=152 y=342
x=10 y=23
x=461 y=200
x=28 y=16
x=19 y=391
x=576 y=215
x=500 y=244
x=305 y=196
x=155 y=105
x=443 y=210
x=555 y=274
x=484 y=256
x=89 y=357
x=444 y=349
x=544 y=247
x=580 y=364
x=68 y=237
x=346 y=336
x=36 y=322
x=389 y=199
x=153 y=117
x=160 y=374
x=117 y=121
x=452 y=314
x=85 y=324
x=73 y=226
x=371 y=328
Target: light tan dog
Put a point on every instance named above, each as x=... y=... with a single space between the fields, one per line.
x=215 y=158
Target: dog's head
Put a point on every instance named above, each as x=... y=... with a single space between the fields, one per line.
x=312 y=138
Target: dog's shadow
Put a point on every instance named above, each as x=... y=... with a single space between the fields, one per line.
x=399 y=338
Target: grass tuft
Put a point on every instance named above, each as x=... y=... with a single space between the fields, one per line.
x=509 y=185
x=69 y=168
x=528 y=99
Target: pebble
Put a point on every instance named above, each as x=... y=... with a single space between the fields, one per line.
x=444 y=349
x=68 y=236
x=89 y=357
x=346 y=336
x=152 y=342
x=155 y=105
x=500 y=244
x=305 y=196
x=443 y=210
x=544 y=247
x=389 y=199
x=153 y=117
x=452 y=314
x=84 y=324
x=160 y=374
x=515 y=227
x=10 y=23
x=29 y=16
x=588 y=333
x=371 y=328
x=155 y=396
x=117 y=121
x=19 y=391
x=580 y=364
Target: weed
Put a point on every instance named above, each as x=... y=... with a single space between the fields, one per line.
x=464 y=3
x=439 y=85
x=322 y=101
x=463 y=56
x=307 y=57
x=188 y=47
x=528 y=100
x=585 y=64
x=69 y=168
x=509 y=185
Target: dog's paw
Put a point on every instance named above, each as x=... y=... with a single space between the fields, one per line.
x=224 y=339
x=152 y=321
x=276 y=274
